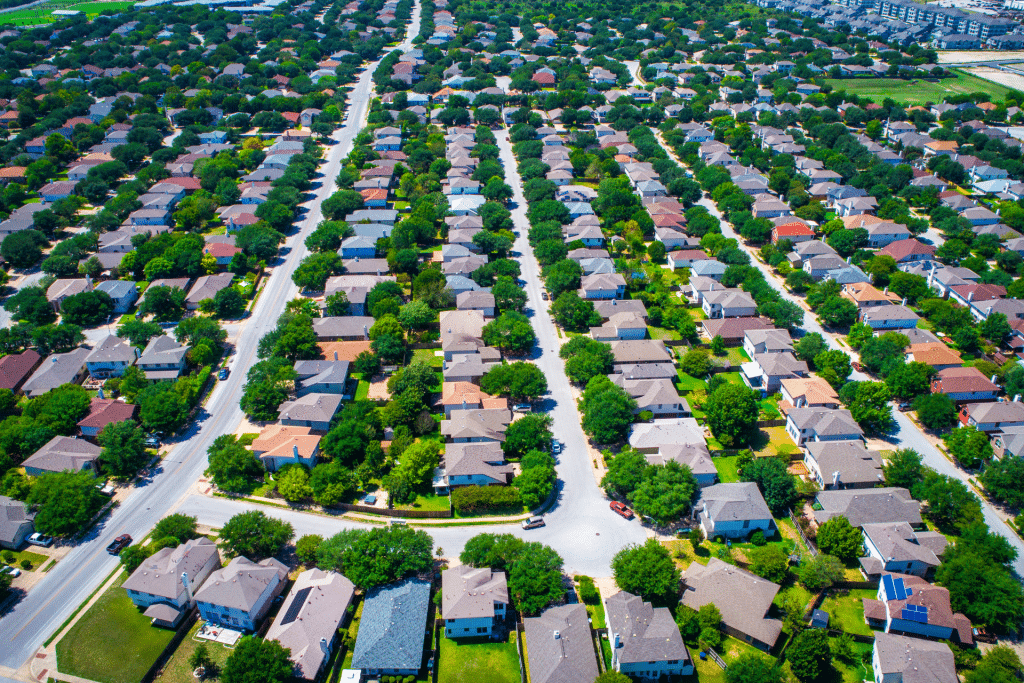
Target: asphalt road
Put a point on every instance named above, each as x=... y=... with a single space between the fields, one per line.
x=64 y=587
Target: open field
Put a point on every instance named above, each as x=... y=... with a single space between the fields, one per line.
x=42 y=14
x=919 y=92
x=964 y=56
x=1010 y=80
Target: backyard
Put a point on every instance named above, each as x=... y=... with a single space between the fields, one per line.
x=479 y=660
x=918 y=92
x=112 y=642
x=177 y=669
x=846 y=611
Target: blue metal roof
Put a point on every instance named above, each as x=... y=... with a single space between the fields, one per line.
x=393 y=627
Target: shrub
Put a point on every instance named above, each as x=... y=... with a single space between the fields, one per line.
x=8 y=556
x=470 y=499
x=588 y=591
x=757 y=538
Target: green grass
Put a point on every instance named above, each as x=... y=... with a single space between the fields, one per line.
x=662 y=333
x=353 y=631
x=428 y=502
x=42 y=14
x=737 y=356
x=728 y=468
x=690 y=383
x=918 y=92
x=177 y=669
x=363 y=390
x=35 y=558
x=478 y=659
x=427 y=356
x=846 y=610
x=732 y=378
x=112 y=642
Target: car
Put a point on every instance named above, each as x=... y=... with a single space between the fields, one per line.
x=223 y=374
x=522 y=408
x=119 y=544
x=533 y=522
x=904 y=407
x=620 y=509
x=544 y=295
x=152 y=441
x=13 y=571
x=40 y=539
x=857 y=366
x=556 y=447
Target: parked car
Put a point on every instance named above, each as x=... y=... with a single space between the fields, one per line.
x=544 y=295
x=119 y=544
x=556 y=447
x=857 y=366
x=40 y=539
x=533 y=522
x=523 y=408
x=904 y=407
x=223 y=374
x=620 y=509
x=152 y=442
x=13 y=571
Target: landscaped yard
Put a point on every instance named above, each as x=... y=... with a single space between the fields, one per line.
x=112 y=642
x=478 y=659
x=428 y=501
x=662 y=333
x=177 y=669
x=428 y=356
x=918 y=92
x=689 y=382
x=847 y=611
x=35 y=558
x=728 y=468
x=773 y=441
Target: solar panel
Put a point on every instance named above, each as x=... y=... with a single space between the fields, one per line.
x=918 y=613
x=890 y=590
x=296 y=606
x=901 y=590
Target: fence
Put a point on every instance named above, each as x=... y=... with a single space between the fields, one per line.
x=771 y=423
x=520 y=634
x=179 y=635
x=716 y=659
x=811 y=548
x=388 y=512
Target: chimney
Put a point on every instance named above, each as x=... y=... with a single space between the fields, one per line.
x=295 y=451
x=1016 y=398
x=988 y=311
x=88 y=280
x=904 y=302
x=188 y=586
x=835 y=480
x=366 y=335
x=557 y=635
x=617 y=641
x=848 y=259
x=992 y=379
x=357 y=259
x=970 y=297
x=885 y=291
x=325 y=646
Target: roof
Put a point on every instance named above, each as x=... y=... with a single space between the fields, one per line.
x=962 y=380
x=283 y=441
x=934 y=353
x=851 y=460
x=162 y=350
x=646 y=633
x=869 y=506
x=104 y=411
x=560 y=646
x=313 y=610
x=898 y=542
x=207 y=286
x=918 y=660
x=654 y=434
x=894 y=312
x=906 y=248
x=742 y=598
x=470 y=593
x=343 y=326
x=240 y=584
x=13 y=516
x=63 y=453
x=814 y=390
x=112 y=350
x=16 y=367
x=160 y=574
x=486 y=458
x=477 y=424
x=929 y=602
x=826 y=422
x=311 y=407
x=734 y=328
x=640 y=350
x=57 y=369
x=392 y=628
x=738 y=501
x=116 y=288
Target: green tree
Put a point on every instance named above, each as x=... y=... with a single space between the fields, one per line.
x=696 y=363
x=607 y=410
x=253 y=535
x=138 y=333
x=1003 y=480
x=585 y=358
x=307 y=547
x=163 y=303
x=612 y=676
x=754 y=668
x=833 y=366
x=969 y=446
x=1000 y=664
x=162 y=408
x=648 y=571
x=179 y=526
x=869 y=404
x=255 y=660
x=511 y=332
x=574 y=313
x=732 y=414
x=769 y=562
x=821 y=572
x=935 y=411
x=625 y=472
x=133 y=556
x=65 y=502
x=777 y=485
x=666 y=492
x=508 y=296
x=838 y=538
x=229 y=303
x=332 y=483
x=519 y=381
x=124 y=448
x=809 y=655
x=530 y=433
x=88 y=308
x=374 y=557
x=232 y=467
x=951 y=504
x=903 y=468
x=293 y=484
x=23 y=249
x=837 y=312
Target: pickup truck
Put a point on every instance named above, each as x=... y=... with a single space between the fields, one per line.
x=119 y=544
x=620 y=509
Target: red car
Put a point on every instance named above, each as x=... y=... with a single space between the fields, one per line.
x=620 y=509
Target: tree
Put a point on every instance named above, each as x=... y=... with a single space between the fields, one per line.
x=535 y=483
x=995 y=328
x=534 y=570
x=1003 y=480
x=519 y=381
x=332 y=483
x=255 y=660
x=564 y=276
x=374 y=557
x=293 y=484
x=625 y=472
x=508 y=296
x=776 y=484
x=999 y=665
x=60 y=408
x=124 y=448
x=307 y=547
x=647 y=571
x=193 y=330
x=163 y=302
x=837 y=312
x=133 y=556
x=833 y=366
x=951 y=504
x=981 y=585
x=732 y=414
x=30 y=304
x=229 y=303
x=232 y=467
x=23 y=249
x=837 y=537
x=769 y=562
x=935 y=411
x=530 y=433
x=138 y=333
x=341 y=204
x=883 y=353
x=612 y=676
x=969 y=446
x=585 y=358
x=696 y=363
x=415 y=315
x=254 y=535
x=179 y=526
x=574 y=313
x=821 y=572
x=87 y=308
x=666 y=492
x=511 y=332
x=67 y=502
x=903 y=469
x=266 y=387
x=337 y=304
x=869 y=405
x=162 y=408
x=753 y=668
x=607 y=410
x=809 y=654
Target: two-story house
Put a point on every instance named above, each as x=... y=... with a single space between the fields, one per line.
x=766 y=341
x=868 y=506
x=239 y=595
x=992 y=417
x=819 y=424
x=733 y=510
x=896 y=547
x=807 y=392
x=908 y=604
x=899 y=659
x=603 y=286
x=472 y=464
x=163 y=359
x=474 y=601
x=842 y=464
x=964 y=384
x=767 y=370
x=645 y=640
x=123 y=293
x=310 y=410
x=728 y=303
x=743 y=599
x=393 y=629
x=111 y=357
x=165 y=583
x=279 y=445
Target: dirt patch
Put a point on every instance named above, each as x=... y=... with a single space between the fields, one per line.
x=964 y=56
x=1009 y=79
x=379 y=389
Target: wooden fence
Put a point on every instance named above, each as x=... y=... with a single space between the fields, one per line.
x=172 y=646
x=520 y=634
x=771 y=423
x=811 y=548
x=388 y=512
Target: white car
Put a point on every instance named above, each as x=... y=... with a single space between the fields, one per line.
x=13 y=571
x=556 y=447
x=40 y=539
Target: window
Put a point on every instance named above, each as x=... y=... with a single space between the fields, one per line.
x=746 y=524
x=482 y=629
x=451 y=621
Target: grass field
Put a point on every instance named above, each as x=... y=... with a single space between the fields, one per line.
x=918 y=92
x=478 y=660
x=42 y=14
x=847 y=610
x=177 y=669
x=35 y=558
x=112 y=642
x=728 y=468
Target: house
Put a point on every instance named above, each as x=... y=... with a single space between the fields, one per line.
x=742 y=598
x=895 y=317
x=728 y=303
x=640 y=351
x=279 y=445
x=602 y=286
x=343 y=328
x=473 y=601
x=111 y=358
x=896 y=547
x=15 y=523
x=309 y=619
x=908 y=604
x=693 y=455
x=57 y=369
x=461 y=332
x=310 y=410
x=476 y=301
x=472 y=464
x=63 y=453
x=865 y=295
x=102 y=412
x=766 y=371
x=807 y=392
x=163 y=359
x=819 y=424
x=63 y=288
x=239 y=595
x=165 y=583
x=321 y=377
x=656 y=396
x=733 y=511
x=992 y=417
x=732 y=330
x=842 y=465
x=470 y=367
x=476 y=426
x=560 y=646
x=794 y=232
x=15 y=369
x=645 y=640
x=909 y=251
x=963 y=384
x=899 y=659
x=393 y=629
x=206 y=287
x=936 y=354
x=467 y=396
x=767 y=341
x=652 y=437
x=358 y=247
x=868 y=506
x=123 y=292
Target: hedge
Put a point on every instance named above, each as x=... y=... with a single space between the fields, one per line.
x=485 y=498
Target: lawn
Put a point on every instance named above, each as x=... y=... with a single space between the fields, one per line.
x=478 y=659
x=918 y=92
x=847 y=611
x=428 y=502
x=177 y=669
x=728 y=468
x=35 y=558
x=662 y=333
x=42 y=14
x=112 y=642
x=773 y=441
x=362 y=390
x=690 y=383
x=737 y=356
x=427 y=356
x=353 y=631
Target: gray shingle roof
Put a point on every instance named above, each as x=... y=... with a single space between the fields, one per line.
x=567 y=658
x=161 y=573
x=866 y=506
x=392 y=629
x=645 y=633
x=470 y=593
x=742 y=598
x=240 y=584
x=736 y=501
x=12 y=516
x=919 y=661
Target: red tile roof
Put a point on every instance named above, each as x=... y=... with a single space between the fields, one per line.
x=16 y=368
x=104 y=411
